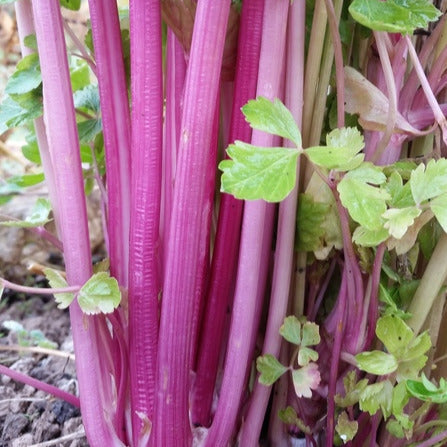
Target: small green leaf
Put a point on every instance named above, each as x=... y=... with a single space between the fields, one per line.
x=23 y=181
x=291 y=330
x=369 y=238
x=37 y=218
x=88 y=130
x=259 y=172
x=353 y=389
x=400 y=398
x=74 y=5
x=375 y=396
x=394 y=16
x=307 y=355
x=272 y=117
x=427 y=391
x=12 y=114
x=79 y=75
x=341 y=151
x=346 y=428
x=57 y=281
x=27 y=76
x=399 y=219
x=376 y=362
x=369 y=173
x=87 y=98
x=30 y=41
x=100 y=294
x=288 y=416
x=394 y=334
x=429 y=181
x=439 y=207
x=311 y=334
x=401 y=196
x=364 y=202
x=31 y=150
x=270 y=369
x=306 y=379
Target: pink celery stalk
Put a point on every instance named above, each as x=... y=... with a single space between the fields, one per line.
x=63 y=142
x=190 y=218
x=116 y=127
x=282 y=272
x=251 y=250
x=144 y=278
x=228 y=229
x=175 y=82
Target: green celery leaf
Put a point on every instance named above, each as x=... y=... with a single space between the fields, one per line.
x=79 y=74
x=307 y=355
x=429 y=181
x=100 y=294
x=394 y=16
x=346 y=428
x=30 y=41
x=31 y=150
x=428 y=237
x=403 y=167
x=375 y=396
x=376 y=362
x=27 y=76
x=401 y=196
x=369 y=238
x=272 y=117
x=25 y=180
x=57 y=281
x=288 y=416
x=291 y=330
x=341 y=152
x=400 y=398
x=400 y=427
x=37 y=218
x=13 y=114
x=88 y=130
x=74 y=5
x=410 y=369
x=306 y=379
x=394 y=334
x=353 y=389
x=270 y=369
x=427 y=391
x=311 y=216
x=369 y=173
x=364 y=202
x=399 y=219
x=418 y=346
x=86 y=154
x=311 y=334
x=259 y=172
x=87 y=98
x=439 y=208
x=387 y=296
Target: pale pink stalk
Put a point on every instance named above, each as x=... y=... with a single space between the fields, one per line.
x=144 y=275
x=228 y=229
x=116 y=127
x=63 y=142
x=251 y=249
x=190 y=218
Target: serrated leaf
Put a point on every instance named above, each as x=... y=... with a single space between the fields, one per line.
x=394 y=333
x=270 y=369
x=37 y=218
x=346 y=428
x=100 y=294
x=439 y=208
x=399 y=219
x=427 y=391
x=87 y=98
x=57 y=281
x=394 y=16
x=307 y=355
x=291 y=330
x=311 y=334
x=272 y=117
x=258 y=172
x=353 y=389
x=12 y=114
x=306 y=379
x=401 y=196
x=429 y=181
x=364 y=202
x=368 y=173
x=369 y=238
x=311 y=216
x=418 y=346
x=88 y=129
x=341 y=151
x=27 y=76
x=376 y=362
x=73 y=5
x=375 y=396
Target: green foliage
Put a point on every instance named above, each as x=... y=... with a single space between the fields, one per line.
x=353 y=390
x=27 y=76
x=306 y=379
x=427 y=391
x=377 y=396
x=270 y=369
x=87 y=98
x=23 y=181
x=34 y=337
x=397 y=220
x=376 y=362
x=291 y=330
x=429 y=181
x=394 y=16
x=57 y=281
x=258 y=172
x=39 y=216
x=74 y=5
x=272 y=117
x=288 y=416
x=346 y=428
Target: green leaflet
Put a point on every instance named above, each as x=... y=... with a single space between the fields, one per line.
x=346 y=428
x=377 y=396
x=429 y=181
x=88 y=129
x=306 y=379
x=394 y=16
x=37 y=218
x=27 y=76
x=428 y=391
x=291 y=330
x=288 y=416
x=439 y=207
x=57 y=281
x=100 y=294
x=74 y=5
x=272 y=117
x=270 y=369
x=87 y=98
x=397 y=220
x=259 y=172
x=376 y=362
